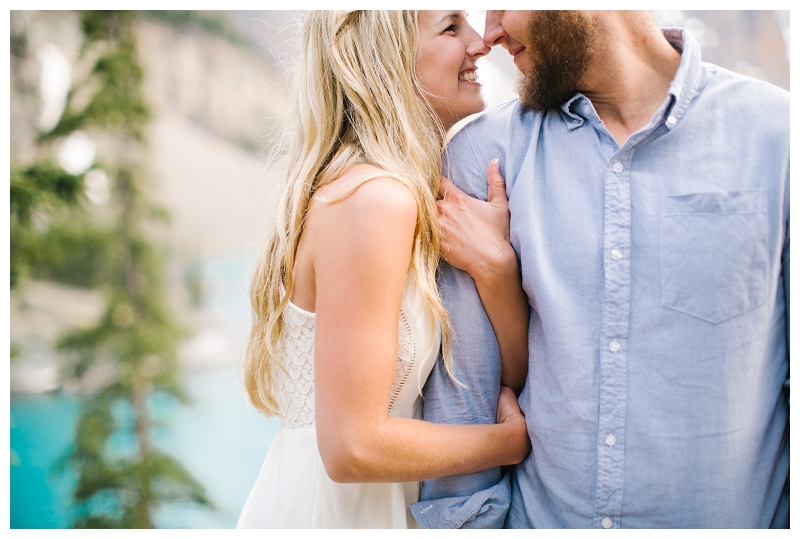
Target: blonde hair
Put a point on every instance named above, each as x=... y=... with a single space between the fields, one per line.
x=357 y=100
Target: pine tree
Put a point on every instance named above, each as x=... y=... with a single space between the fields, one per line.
x=136 y=338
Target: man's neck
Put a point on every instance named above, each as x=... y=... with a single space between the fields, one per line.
x=628 y=80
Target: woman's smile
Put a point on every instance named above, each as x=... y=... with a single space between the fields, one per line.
x=469 y=75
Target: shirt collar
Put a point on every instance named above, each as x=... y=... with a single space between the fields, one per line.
x=569 y=111
x=687 y=78
x=681 y=91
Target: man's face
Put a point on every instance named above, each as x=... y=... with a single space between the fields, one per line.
x=552 y=49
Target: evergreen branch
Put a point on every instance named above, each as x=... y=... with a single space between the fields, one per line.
x=43 y=183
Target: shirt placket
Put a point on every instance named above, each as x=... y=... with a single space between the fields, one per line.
x=614 y=341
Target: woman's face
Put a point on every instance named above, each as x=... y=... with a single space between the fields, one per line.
x=446 y=54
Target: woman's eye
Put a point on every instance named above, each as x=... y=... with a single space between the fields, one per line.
x=452 y=28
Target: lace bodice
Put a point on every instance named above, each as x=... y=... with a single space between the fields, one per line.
x=294 y=387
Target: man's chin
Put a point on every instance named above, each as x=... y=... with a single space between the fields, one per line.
x=528 y=94
x=535 y=94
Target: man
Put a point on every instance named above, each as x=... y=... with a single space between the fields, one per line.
x=649 y=201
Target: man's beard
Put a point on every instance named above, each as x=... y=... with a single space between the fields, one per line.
x=561 y=48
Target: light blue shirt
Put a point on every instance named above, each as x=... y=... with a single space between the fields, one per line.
x=658 y=279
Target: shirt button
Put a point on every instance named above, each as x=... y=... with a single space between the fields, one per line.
x=611 y=440
x=606 y=522
x=672 y=120
x=613 y=346
x=587 y=109
x=617 y=167
x=616 y=254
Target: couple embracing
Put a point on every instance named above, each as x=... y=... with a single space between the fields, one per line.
x=587 y=328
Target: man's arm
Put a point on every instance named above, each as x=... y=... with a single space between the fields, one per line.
x=476 y=239
x=481 y=499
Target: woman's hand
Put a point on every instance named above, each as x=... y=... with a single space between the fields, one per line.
x=509 y=412
x=475 y=234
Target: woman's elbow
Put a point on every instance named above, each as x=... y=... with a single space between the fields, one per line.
x=346 y=461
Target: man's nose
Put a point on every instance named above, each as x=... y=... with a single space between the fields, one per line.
x=493 y=33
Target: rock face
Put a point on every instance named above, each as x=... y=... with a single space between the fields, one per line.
x=227 y=89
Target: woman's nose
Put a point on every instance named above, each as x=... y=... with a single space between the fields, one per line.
x=476 y=47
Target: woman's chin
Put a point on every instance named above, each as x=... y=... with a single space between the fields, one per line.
x=474 y=110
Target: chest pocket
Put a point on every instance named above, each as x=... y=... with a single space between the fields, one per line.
x=713 y=251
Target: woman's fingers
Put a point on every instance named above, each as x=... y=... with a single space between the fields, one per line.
x=474 y=232
x=496 y=183
x=445 y=185
x=507 y=405
x=509 y=412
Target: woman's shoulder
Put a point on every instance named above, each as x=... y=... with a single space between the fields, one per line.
x=368 y=188
x=369 y=218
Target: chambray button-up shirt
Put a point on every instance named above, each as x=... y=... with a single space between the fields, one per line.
x=658 y=279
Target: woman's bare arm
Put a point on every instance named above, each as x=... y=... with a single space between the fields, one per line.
x=475 y=238
x=360 y=248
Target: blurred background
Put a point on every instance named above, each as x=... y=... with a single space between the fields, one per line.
x=140 y=190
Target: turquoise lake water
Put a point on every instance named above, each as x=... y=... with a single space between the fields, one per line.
x=218 y=438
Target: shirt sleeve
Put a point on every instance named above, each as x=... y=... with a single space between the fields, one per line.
x=487 y=508
x=478 y=500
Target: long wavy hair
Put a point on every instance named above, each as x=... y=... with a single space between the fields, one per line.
x=357 y=100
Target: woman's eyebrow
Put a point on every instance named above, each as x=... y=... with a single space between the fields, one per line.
x=453 y=15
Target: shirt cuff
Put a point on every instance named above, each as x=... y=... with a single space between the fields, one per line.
x=485 y=509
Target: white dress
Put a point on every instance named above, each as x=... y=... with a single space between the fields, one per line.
x=292 y=490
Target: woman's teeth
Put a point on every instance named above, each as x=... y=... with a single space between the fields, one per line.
x=468 y=75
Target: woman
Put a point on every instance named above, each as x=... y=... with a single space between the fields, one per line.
x=347 y=316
